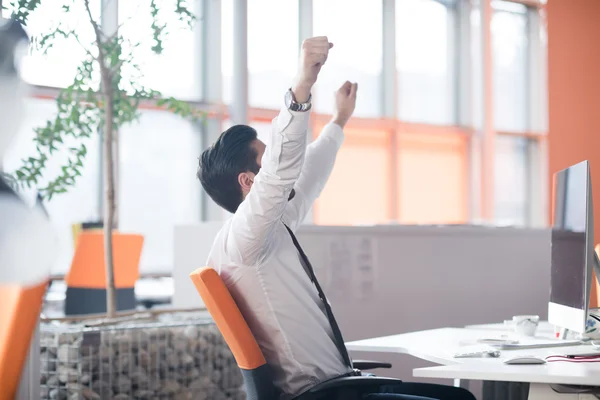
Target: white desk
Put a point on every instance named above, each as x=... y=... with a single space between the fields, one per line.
x=439 y=346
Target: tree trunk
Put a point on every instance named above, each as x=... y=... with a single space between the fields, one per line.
x=109 y=200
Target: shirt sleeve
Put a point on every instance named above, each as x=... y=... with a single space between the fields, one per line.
x=320 y=159
x=253 y=225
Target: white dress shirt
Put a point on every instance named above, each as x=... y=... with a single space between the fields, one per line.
x=256 y=258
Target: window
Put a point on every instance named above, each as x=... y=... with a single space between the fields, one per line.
x=59 y=66
x=432 y=178
x=359 y=189
x=424 y=59
x=511 y=180
x=510 y=65
x=80 y=203
x=354 y=27
x=272 y=50
x=158 y=187
x=177 y=71
x=273 y=46
x=227 y=50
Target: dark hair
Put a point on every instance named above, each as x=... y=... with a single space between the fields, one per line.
x=221 y=164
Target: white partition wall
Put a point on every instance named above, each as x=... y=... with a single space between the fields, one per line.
x=190 y=251
x=384 y=280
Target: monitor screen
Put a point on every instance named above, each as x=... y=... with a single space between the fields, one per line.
x=568 y=256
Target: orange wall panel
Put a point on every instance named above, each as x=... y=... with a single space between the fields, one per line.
x=432 y=173
x=359 y=190
x=574 y=90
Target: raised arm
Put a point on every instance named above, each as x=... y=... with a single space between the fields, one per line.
x=254 y=222
x=320 y=157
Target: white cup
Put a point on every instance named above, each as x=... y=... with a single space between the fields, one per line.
x=525 y=325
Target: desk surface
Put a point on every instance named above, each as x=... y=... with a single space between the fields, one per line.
x=439 y=346
x=560 y=372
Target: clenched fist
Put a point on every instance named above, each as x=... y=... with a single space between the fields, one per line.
x=314 y=53
x=345 y=102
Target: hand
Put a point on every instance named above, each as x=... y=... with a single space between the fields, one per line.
x=313 y=55
x=345 y=102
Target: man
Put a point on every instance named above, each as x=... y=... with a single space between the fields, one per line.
x=269 y=189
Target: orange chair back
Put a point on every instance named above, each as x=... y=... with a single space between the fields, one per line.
x=228 y=318
x=88 y=266
x=20 y=308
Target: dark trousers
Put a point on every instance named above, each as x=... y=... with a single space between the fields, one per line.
x=419 y=391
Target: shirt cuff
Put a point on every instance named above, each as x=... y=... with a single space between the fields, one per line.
x=290 y=121
x=334 y=132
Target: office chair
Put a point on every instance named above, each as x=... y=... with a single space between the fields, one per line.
x=21 y=307
x=256 y=372
x=86 y=279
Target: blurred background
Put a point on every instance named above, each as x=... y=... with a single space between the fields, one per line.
x=450 y=127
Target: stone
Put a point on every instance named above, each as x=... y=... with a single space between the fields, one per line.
x=67 y=374
x=143 y=358
x=89 y=394
x=67 y=338
x=47 y=361
x=187 y=360
x=185 y=395
x=67 y=354
x=85 y=379
x=121 y=396
x=103 y=388
x=58 y=394
x=172 y=358
x=191 y=332
x=105 y=353
x=122 y=384
x=122 y=362
x=170 y=387
x=144 y=394
x=52 y=381
x=104 y=369
x=192 y=374
x=139 y=377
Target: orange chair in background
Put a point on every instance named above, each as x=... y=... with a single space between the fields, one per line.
x=86 y=279
x=20 y=309
x=248 y=356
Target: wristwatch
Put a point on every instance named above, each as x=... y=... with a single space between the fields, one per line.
x=293 y=105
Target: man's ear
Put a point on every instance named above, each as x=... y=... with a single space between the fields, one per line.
x=245 y=179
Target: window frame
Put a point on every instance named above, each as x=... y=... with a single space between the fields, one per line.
x=481 y=139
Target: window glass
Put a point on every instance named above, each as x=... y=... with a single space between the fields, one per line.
x=158 y=184
x=432 y=178
x=510 y=64
x=354 y=27
x=423 y=60
x=358 y=191
x=511 y=182
x=177 y=70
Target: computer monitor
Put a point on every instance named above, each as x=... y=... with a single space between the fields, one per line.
x=572 y=254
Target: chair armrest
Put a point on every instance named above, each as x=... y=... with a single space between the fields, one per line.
x=363 y=383
x=365 y=365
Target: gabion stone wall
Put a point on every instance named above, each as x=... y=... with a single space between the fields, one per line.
x=173 y=357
